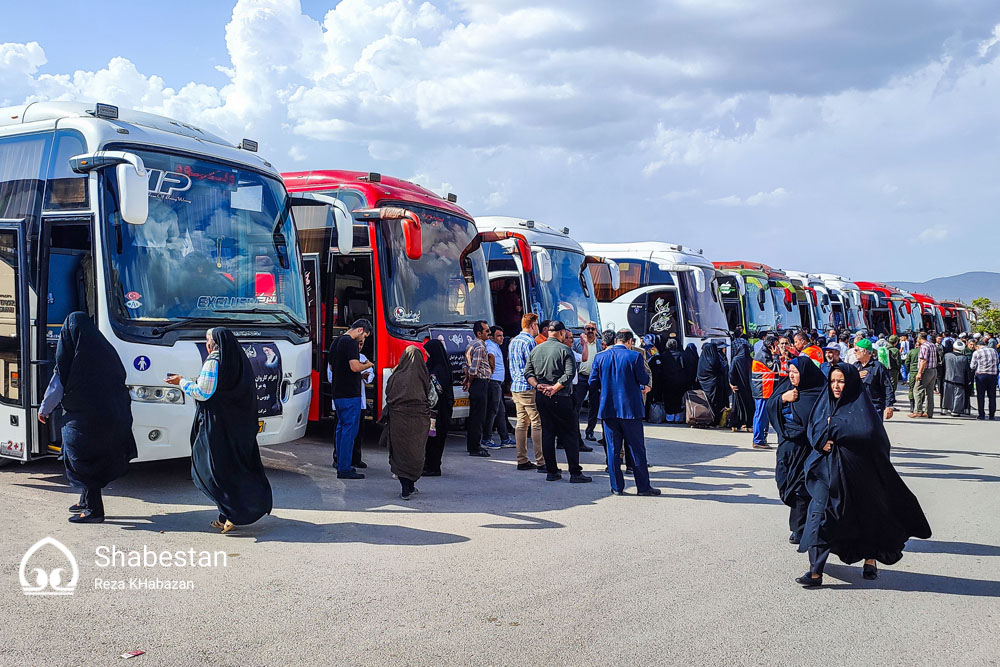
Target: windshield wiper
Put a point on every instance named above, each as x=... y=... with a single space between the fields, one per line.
x=279 y=315
x=160 y=330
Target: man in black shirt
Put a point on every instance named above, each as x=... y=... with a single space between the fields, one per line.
x=347 y=368
x=876 y=377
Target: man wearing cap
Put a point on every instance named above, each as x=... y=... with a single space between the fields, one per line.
x=550 y=370
x=895 y=361
x=832 y=354
x=876 y=377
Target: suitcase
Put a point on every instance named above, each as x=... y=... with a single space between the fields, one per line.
x=697 y=410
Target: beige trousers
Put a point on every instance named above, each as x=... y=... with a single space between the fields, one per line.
x=527 y=414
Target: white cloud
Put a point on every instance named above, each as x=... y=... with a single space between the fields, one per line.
x=575 y=111
x=933 y=234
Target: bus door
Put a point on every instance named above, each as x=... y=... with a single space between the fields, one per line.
x=16 y=428
x=349 y=295
x=314 y=283
x=67 y=279
x=508 y=303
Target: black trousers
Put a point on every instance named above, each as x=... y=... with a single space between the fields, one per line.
x=591 y=393
x=797 y=515
x=478 y=399
x=493 y=393
x=817 y=559
x=557 y=415
x=986 y=385
x=93 y=501
x=434 y=449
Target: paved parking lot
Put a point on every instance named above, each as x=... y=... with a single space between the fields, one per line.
x=488 y=565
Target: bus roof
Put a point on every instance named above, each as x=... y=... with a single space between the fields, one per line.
x=536 y=233
x=652 y=251
x=743 y=272
x=375 y=187
x=888 y=290
x=130 y=126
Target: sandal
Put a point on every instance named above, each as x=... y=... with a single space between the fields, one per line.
x=228 y=526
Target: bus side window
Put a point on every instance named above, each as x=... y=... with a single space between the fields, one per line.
x=23 y=166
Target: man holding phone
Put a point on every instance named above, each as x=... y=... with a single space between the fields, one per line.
x=347 y=367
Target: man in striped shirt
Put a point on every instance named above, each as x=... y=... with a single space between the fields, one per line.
x=523 y=394
x=478 y=369
x=926 y=377
x=984 y=365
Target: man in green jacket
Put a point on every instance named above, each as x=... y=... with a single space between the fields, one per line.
x=912 y=361
x=894 y=361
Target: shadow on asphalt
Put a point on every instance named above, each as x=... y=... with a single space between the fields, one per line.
x=957 y=548
x=915 y=582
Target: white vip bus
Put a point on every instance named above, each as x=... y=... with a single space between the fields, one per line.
x=663 y=289
x=158 y=230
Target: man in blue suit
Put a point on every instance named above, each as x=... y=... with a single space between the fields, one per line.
x=622 y=378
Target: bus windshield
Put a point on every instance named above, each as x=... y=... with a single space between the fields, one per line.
x=759 y=308
x=218 y=239
x=563 y=297
x=786 y=314
x=439 y=288
x=704 y=315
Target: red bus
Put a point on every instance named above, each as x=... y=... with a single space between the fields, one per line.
x=413 y=266
x=889 y=310
x=956 y=317
x=932 y=314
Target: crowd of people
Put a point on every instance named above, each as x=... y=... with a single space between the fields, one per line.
x=825 y=396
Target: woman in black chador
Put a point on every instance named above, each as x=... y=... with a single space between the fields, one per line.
x=788 y=410
x=440 y=369
x=739 y=380
x=225 y=458
x=860 y=508
x=713 y=377
x=97 y=442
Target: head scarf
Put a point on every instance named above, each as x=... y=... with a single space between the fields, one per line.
x=409 y=383
x=947 y=346
x=89 y=367
x=234 y=366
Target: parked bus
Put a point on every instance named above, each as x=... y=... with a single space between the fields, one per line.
x=845 y=301
x=663 y=289
x=819 y=305
x=746 y=300
x=410 y=264
x=785 y=296
x=956 y=317
x=889 y=310
x=931 y=312
x=536 y=268
x=158 y=230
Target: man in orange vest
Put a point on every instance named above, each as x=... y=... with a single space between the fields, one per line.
x=805 y=346
x=763 y=375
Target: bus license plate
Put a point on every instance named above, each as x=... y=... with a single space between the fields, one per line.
x=461 y=402
x=260 y=425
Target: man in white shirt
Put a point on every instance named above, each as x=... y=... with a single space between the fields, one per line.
x=588 y=346
x=495 y=396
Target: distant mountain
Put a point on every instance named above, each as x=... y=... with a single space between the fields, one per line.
x=964 y=287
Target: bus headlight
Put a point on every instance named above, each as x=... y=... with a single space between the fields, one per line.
x=144 y=394
x=302 y=385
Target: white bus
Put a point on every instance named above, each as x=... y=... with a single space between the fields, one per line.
x=158 y=230
x=663 y=289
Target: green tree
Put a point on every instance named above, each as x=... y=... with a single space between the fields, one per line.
x=988 y=315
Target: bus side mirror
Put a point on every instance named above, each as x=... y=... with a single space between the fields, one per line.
x=412 y=237
x=343 y=221
x=524 y=250
x=616 y=274
x=543 y=260
x=133 y=191
x=133 y=180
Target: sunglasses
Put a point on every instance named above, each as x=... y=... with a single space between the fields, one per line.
x=590 y=328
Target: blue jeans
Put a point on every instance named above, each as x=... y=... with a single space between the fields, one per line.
x=348 y=421
x=759 y=421
x=627 y=432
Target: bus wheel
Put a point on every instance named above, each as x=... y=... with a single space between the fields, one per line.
x=6 y=462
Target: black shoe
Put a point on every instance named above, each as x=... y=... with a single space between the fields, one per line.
x=404 y=495
x=579 y=479
x=869 y=572
x=809 y=581
x=793 y=539
x=544 y=470
x=431 y=473
x=585 y=448
x=553 y=477
x=77 y=508
x=350 y=474
x=590 y=437
x=618 y=493
x=482 y=452
x=981 y=418
x=87 y=517
x=560 y=447
x=362 y=465
x=629 y=471
x=602 y=441
x=528 y=465
x=649 y=492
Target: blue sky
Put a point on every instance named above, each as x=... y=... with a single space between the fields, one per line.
x=752 y=130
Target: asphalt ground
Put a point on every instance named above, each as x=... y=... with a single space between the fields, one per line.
x=492 y=566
